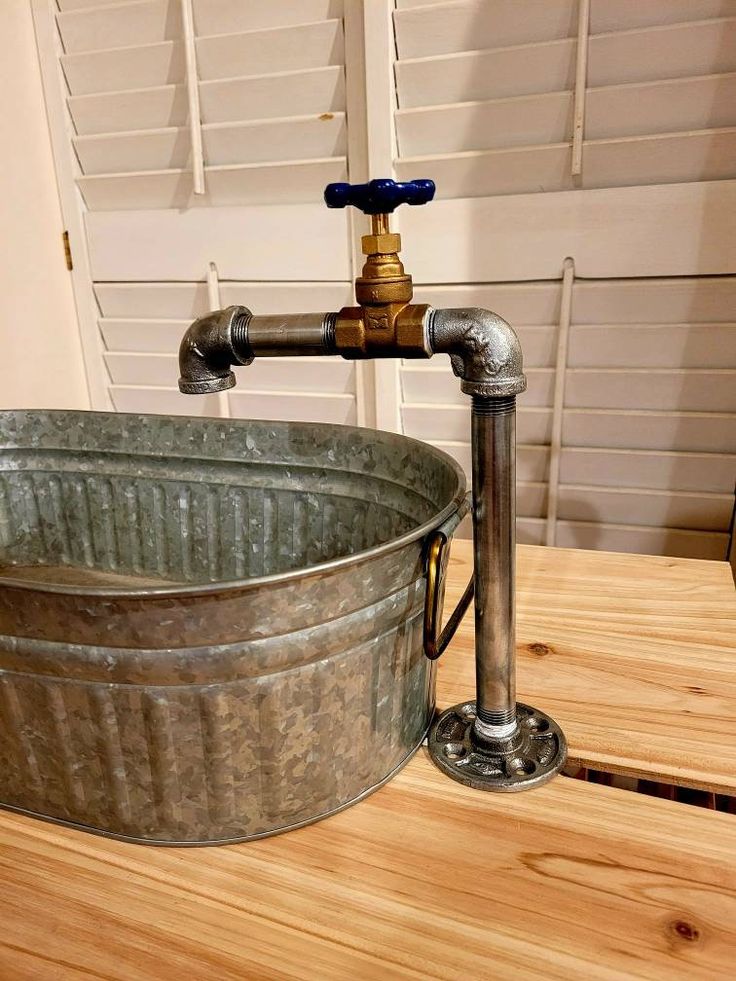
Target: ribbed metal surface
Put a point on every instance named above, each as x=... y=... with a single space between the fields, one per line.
x=151 y=684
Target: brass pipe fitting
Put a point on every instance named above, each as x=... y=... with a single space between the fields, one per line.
x=386 y=324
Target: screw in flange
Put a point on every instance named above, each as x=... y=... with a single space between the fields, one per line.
x=529 y=756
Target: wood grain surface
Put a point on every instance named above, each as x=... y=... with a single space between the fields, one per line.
x=426 y=878
x=634 y=656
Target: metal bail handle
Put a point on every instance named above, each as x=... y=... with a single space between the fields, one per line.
x=381 y=196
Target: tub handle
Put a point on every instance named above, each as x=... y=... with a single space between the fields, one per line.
x=435 y=641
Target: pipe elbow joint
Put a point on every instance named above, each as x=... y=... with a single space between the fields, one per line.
x=484 y=350
x=208 y=350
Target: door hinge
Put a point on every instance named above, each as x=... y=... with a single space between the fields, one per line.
x=67 y=251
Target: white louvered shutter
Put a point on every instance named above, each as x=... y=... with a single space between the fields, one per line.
x=270 y=80
x=485 y=103
x=486 y=93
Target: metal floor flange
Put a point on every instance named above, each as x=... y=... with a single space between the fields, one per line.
x=530 y=756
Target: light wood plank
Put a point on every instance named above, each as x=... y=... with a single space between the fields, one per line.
x=604 y=880
x=628 y=653
x=625 y=880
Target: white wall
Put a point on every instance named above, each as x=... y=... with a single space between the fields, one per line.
x=40 y=351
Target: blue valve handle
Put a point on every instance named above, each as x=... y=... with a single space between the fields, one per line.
x=379 y=197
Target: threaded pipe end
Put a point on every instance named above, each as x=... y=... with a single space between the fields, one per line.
x=328 y=332
x=485 y=405
x=496 y=718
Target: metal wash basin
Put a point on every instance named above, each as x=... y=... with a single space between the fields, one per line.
x=211 y=630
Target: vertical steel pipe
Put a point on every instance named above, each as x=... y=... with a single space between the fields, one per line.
x=493 y=436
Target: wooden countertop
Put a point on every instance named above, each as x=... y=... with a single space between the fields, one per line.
x=428 y=879
x=633 y=655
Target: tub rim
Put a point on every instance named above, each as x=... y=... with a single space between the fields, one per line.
x=246 y=584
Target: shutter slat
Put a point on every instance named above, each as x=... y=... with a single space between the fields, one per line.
x=120 y=25
x=522 y=304
x=710 y=472
x=168 y=401
x=453 y=423
x=302 y=137
x=446 y=390
x=627 y=538
x=234 y=16
x=177 y=245
x=709 y=512
x=442 y=28
x=109 y=112
x=221 y=57
x=646 y=388
x=140 y=22
x=325 y=375
x=225 y=186
x=708 y=102
x=317 y=90
x=527 y=236
x=679 y=51
x=653 y=346
x=282 y=94
x=291 y=48
x=532 y=462
x=285 y=406
x=621 y=429
x=666 y=302
x=529 y=119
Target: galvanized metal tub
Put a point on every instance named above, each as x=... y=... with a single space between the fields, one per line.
x=210 y=630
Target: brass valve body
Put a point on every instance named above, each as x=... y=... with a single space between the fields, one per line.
x=386 y=323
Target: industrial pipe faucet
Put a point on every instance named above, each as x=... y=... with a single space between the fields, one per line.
x=493 y=743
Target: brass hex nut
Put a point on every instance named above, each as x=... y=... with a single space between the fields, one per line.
x=381 y=244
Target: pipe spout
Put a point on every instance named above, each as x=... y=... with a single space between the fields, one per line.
x=484 y=351
x=213 y=344
x=208 y=349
